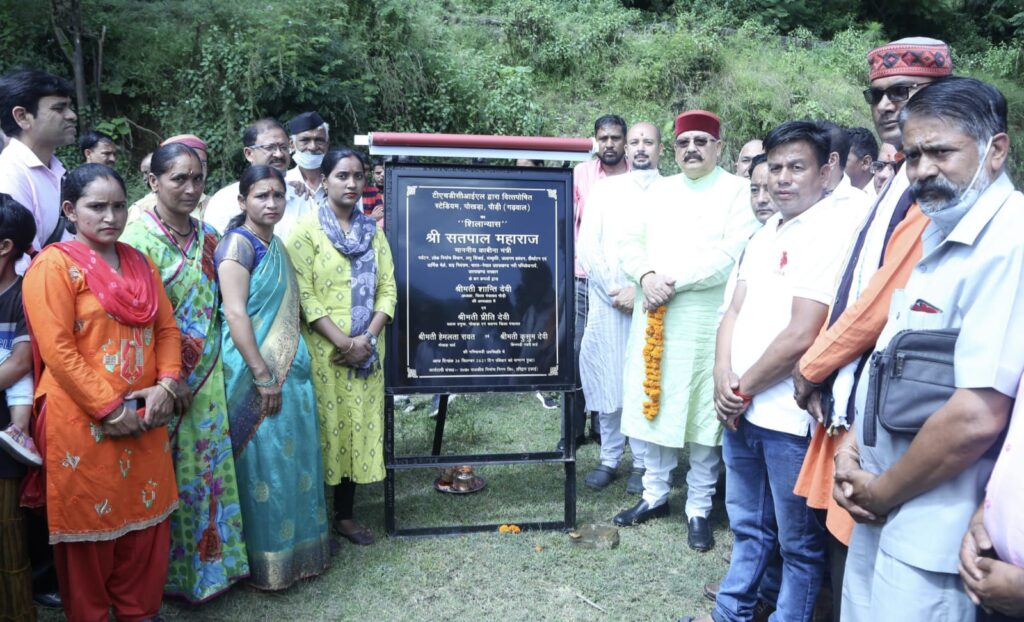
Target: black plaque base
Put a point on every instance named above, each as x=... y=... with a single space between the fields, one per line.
x=434 y=461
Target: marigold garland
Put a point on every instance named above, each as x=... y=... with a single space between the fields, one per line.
x=654 y=346
x=510 y=529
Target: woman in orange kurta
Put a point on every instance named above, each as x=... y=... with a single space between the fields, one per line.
x=105 y=335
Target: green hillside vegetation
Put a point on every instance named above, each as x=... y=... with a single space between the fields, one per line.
x=544 y=67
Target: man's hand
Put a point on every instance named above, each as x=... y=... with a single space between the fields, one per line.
x=622 y=299
x=658 y=290
x=856 y=495
x=1000 y=588
x=847 y=463
x=803 y=388
x=377 y=213
x=727 y=403
x=976 y=544
x=299 y=188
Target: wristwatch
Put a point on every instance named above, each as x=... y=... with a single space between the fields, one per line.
x=372 y=338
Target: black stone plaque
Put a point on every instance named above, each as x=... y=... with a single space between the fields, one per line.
x=483 y=263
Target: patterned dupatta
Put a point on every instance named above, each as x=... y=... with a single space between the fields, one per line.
x=358 y=249
x=274 y=308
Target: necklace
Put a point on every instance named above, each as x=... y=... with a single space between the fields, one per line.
x=191 y=227
x=250 y=230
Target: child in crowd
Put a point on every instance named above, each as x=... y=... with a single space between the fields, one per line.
x=16 y=235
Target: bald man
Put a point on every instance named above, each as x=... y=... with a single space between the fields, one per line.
x=611 y=296
x=747 y=153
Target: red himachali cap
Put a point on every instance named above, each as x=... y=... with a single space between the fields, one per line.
x=699 y=120
x=913 y=56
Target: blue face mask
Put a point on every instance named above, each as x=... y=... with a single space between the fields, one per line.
x=947 y=216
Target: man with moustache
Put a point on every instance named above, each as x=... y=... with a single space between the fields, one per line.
x=37 y=114
x=610 y=136
x=880 y=260
x=680 y=251
x=782 y=295
x=611 y=297
x=913 y=495
x=98 y=148
x=265 y=142
x=747 y=152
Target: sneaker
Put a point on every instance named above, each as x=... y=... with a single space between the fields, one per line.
x=20 y=446
x=547 y=401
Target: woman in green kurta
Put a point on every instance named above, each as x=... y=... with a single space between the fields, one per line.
x=207 y=550
x=347 y=291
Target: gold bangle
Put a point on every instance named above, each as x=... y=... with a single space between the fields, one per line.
x=116 y=420
x=160 y=383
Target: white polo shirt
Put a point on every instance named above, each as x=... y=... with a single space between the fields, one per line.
x=223 y=206
x=801 y=258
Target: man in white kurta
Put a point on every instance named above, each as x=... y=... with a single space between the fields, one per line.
x=680 y=251
x=611 y=297
x=265 y=142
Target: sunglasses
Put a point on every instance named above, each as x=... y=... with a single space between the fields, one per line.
x=897 y=93
x=699 y=142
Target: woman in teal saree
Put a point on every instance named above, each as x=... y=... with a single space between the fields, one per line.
x=272 y=409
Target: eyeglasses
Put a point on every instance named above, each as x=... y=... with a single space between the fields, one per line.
x=700 y=142
x=897 y=93
x=879 y=165
x=272 y=147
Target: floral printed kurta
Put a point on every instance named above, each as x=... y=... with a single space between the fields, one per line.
x=351 y=409
x=207 y=546
x=97 y=487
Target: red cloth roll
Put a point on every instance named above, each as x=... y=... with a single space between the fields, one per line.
x=477 y=141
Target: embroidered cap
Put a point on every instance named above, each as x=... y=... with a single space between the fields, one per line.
x=913 y=56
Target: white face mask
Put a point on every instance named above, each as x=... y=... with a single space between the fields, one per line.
x=947 y=216
x=307 y=160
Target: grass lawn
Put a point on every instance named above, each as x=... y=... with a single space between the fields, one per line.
x=652 y=575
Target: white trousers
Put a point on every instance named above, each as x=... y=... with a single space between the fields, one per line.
x=613 y=441
x=705 y=467
x=880 y=588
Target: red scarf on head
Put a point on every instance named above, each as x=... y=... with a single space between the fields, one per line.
x=131 y=299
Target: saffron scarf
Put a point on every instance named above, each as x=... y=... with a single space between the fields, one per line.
x=132 y=298
x=358 y=249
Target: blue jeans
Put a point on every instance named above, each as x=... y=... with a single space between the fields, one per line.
x=761 y=467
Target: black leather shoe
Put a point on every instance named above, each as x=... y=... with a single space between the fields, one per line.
x=640 y=513
x=50 y=600
x=699 y=536
x=635 y=483
x=580 y=440
x=599 y=478
x=711 y=590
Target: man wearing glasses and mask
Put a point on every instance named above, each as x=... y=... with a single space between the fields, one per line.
x=679 y=252
x=265 y=142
